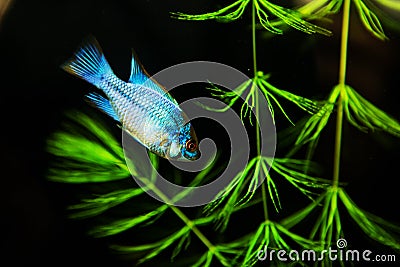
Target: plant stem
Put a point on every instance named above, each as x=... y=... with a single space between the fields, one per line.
x=264 y=197
x=258 y=137
x=187 y=221
x=342 y=84
x=253 y=33
x=198 y=233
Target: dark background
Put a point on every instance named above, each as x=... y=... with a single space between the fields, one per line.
x=37 y=36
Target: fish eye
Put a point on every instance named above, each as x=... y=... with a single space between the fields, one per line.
x=191 y=145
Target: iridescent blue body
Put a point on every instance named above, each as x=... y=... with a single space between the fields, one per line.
x=145 y=110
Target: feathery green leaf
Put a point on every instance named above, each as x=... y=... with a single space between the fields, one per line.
x=263 y=8
x=364 y=115
x=86 y=152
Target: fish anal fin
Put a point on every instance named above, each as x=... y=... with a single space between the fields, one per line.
x=102 y=104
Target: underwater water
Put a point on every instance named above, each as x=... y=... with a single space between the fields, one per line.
x=36 y=37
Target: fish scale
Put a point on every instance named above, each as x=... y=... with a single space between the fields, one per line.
x=135 y=120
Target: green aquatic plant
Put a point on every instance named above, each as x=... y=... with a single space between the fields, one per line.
x=90 y=151
x=263 y=9
x=249 y=90
x=86 y=152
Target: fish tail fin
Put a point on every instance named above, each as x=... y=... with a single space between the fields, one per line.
x=89 y=63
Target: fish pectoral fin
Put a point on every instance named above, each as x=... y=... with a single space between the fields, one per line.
x=103 y=104
x=174 y=150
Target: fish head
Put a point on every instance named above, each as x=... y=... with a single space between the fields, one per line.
x=183 y=145
x=188 y=143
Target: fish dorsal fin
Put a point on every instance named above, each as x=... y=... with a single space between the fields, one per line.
x=140 y=76
x=137 y=71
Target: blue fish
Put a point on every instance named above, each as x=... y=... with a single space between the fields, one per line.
x=143 y=107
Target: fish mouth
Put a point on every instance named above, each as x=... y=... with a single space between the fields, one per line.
x=194 y=157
